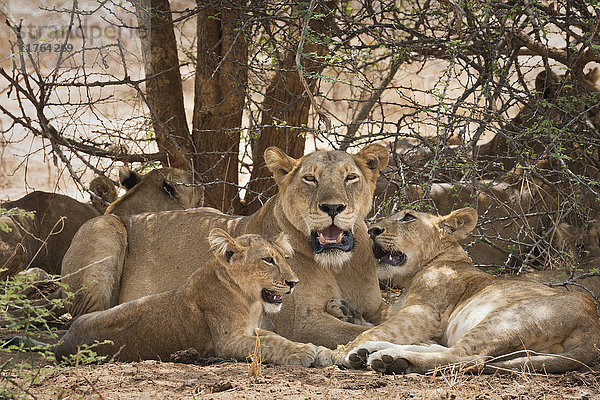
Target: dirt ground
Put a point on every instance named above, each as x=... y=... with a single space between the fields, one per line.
x=158 y=380
x=32 y=377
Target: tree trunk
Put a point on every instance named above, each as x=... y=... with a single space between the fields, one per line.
x=285 y=102
x=164 y=93
x=220 y=89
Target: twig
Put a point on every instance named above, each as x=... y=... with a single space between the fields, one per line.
x=322 y=117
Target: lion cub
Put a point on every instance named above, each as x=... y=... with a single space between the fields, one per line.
x=454 y=313
x=216 y=311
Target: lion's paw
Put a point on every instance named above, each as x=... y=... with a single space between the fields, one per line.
x=340 y=309
x=325 y=357
x=304 y=356
x=388 y=361
x=357 y=357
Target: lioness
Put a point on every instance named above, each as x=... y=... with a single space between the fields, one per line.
x=582 y=248
x=43 y=240
x=321 y=204
x=216 y=311
x=454 y=313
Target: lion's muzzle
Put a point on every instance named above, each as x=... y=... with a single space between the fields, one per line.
x=331 y=237
x=271 y=297
x=392 y=257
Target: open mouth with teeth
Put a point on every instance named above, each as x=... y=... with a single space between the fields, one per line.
x=392 y=257
x=331 y=237
x=271 y=297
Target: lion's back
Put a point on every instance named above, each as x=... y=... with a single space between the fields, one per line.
x=164 y=249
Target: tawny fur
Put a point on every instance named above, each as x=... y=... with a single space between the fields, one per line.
x=454 y=313
x=161 y=189
x=216 y=310
x=158 y=190
x=150 y=253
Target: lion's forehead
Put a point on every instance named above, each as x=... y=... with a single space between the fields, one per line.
x=251 y=240
x=259 y=247
x=327 y=162
x=394 y=224
x=178 y=175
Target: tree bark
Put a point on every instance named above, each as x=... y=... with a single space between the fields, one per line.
x=285 y=102
x=164 y=92
x=220 y=90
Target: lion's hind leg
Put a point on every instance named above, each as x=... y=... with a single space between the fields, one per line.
x=531 y=361
x=93 y=265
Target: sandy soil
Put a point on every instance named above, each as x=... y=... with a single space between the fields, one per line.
x=228 y=380
x=35 y=377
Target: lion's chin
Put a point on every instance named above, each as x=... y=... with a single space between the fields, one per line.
x=386 y=271
x=333 y=259
x=271 y=301
x=271 y=308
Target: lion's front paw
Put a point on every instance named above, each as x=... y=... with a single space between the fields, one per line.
x=304 y=355
x=386 y=362
x=325 y=357
x=340 y=309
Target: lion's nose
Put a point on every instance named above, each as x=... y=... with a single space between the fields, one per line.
x=332 y=209
x=375 y=231
x=291 y=284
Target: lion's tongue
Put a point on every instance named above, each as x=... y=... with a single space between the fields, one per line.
x=331 y=234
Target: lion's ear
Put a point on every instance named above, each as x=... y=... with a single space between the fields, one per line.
x=374 y=158
x=459 y=223
x=129 y=178
x=104 y=188
x=222 y=244
x=284 y=244
x=279 y=163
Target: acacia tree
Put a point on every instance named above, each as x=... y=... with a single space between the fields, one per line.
x=459 y=91
x=164 y=92
x=220 y=91
x=220 y=95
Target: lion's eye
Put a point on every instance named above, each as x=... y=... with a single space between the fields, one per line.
x=169 y=189
x=309 y=178
x=351 y=178
x=408 y=217
x=269 y=260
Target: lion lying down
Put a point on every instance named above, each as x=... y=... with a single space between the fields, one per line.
x=42 y=239
x=216 y=311
x=454 y=313
x=321 y=205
